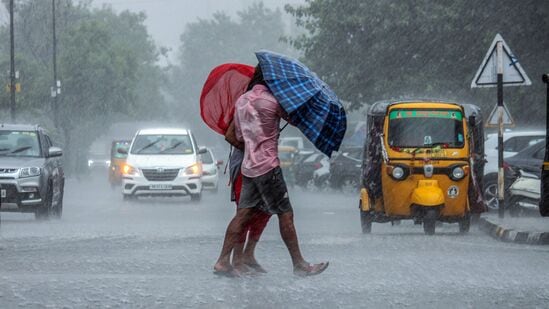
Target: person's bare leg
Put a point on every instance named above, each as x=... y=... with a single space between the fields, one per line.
x=257 y=225
x=232 y=234
x=239 y=258
x=289 y=236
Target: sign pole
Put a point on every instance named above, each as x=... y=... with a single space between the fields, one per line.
x=12 y=66
x=544 y=201
x=501 y=181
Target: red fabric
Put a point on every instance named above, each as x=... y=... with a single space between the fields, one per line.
x=225 y=84
x=257 y=224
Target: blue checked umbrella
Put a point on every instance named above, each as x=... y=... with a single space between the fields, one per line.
x=311 y=105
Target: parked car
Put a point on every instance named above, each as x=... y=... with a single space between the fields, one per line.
x=529 y=159
x=31 y=173
x=307 y=174
x=345 y=169
x=210 y=167
x=288 y=156
x=513 y=142
x=525 y=195
x=163 y=162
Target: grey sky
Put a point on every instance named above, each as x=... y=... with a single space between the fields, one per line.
x=166 y=19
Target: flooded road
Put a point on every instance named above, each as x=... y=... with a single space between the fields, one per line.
x=105 y=252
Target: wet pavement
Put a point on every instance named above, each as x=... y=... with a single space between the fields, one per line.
x=159 y=253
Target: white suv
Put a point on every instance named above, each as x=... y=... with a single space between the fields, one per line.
x=163 y=162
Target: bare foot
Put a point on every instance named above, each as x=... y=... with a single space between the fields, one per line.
x=305 y=270
x=225 y=270
x=256 y=266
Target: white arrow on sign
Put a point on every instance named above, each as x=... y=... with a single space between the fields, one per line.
x=494 y=118
x=513 y=73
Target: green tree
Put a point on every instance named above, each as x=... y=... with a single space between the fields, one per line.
x=370 y=50
x=106 y=62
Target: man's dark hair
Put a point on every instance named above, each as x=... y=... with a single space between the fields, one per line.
x=257 y=78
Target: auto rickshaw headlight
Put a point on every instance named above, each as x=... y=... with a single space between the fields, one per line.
x=457 y=173
x=398 y=173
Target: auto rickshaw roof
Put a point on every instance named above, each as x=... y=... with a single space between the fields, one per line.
x=380 y=108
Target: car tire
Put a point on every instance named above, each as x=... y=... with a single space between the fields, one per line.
x=514 y=208
x=58 y=209
x=349 y=185
x=43 y=211
x=196 y=197
x=490 y=191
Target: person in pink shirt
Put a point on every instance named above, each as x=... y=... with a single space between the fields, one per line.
x=257 y=121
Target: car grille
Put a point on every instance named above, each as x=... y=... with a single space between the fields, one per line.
x=158 y=174
x=7 y=170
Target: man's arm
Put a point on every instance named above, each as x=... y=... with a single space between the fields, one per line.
x=231 y=136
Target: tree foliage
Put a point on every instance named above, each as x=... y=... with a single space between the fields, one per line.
x=106 y=64
x=370 y=50
x=207 y=43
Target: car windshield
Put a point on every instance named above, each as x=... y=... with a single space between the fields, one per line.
x=158 y=144
x=207 y=158
x=19 y=144
x=426 y=128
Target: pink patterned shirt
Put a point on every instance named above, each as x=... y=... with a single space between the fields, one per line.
x=257 y=120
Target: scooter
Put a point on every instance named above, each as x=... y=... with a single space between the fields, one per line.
x=524 y=194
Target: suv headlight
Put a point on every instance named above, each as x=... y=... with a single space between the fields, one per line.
x=194 y=170
x=130 y=170
x=29 y=172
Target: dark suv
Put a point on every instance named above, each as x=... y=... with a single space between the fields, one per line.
x=31 y=174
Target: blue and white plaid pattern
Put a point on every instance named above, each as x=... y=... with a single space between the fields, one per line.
x=312 y=106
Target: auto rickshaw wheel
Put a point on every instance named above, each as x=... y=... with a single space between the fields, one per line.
x=465 y=224
x=430 y=217
x=365 y=222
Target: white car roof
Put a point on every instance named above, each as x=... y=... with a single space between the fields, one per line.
x=508 y=134
x=167 y=131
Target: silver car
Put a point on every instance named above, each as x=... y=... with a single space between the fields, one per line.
x=31 y=174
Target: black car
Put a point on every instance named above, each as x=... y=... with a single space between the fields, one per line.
x=530 y=159
x=305 y=170
x=345 y=169
x=31 y=173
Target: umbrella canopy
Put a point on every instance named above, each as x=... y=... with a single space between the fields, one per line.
x=225 y=84
x=311 y=105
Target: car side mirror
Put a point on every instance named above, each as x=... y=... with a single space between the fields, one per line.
x=123 y=151
x=202 y=150
x=55 y=152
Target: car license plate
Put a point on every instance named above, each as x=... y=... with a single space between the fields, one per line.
x=3 y=193
x=160 y=187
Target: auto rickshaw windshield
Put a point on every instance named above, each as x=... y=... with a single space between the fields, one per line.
x=421 y=128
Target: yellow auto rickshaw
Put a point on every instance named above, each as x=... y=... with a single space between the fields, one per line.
x=423 y=160
x=117 y=161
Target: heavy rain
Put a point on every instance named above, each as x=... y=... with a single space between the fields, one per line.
x=146 y=147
